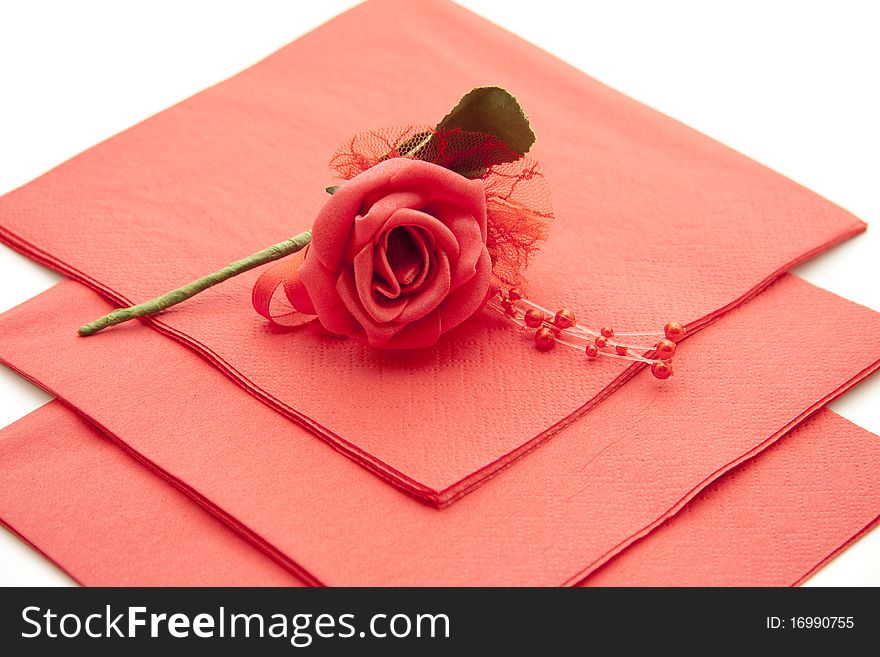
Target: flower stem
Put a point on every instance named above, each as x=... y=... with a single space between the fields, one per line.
x=174 y=297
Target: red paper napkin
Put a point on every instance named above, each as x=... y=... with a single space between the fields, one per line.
x=773 y=521
x=107 y=521
x=132 y=528
x=602 y=483
x=654 y=222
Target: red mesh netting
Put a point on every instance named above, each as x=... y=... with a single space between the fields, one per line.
x=517 y=195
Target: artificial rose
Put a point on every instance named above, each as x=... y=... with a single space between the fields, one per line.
x=398 y=255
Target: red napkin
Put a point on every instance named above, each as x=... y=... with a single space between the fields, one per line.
x=773 y=521
x=655 y=222
x=602 y=483
x=133 y=529
x=107 y=521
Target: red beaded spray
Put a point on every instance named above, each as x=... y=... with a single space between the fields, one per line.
x=562 y=327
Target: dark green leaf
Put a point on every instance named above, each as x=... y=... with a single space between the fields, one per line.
x=331 y=190
x=412 y=146
x=482 y=112
x=493 y=111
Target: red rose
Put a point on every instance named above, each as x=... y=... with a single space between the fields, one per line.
x=398 y=255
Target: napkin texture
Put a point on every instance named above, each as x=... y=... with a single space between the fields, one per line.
x=771 y=522
x=605 y=481
x=654 y=222
x=78 y=499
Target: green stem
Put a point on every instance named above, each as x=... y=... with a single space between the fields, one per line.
x=174 y=297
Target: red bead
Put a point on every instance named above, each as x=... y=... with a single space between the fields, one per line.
x=592 y=351
x=565 y=319
x=607 y=331
x=600 y=342
x=674 y=331
x=514 y=294
x=661 y=369
x=509 y=308
x=621 y=350
x=665 y=349
x=534 y=318
x=544 y=339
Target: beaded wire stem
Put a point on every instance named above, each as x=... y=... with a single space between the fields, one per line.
x=655 y=349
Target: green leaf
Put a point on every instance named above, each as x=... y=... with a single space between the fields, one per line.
x=412 y=146
x=493 y=111
x=484 y=111
x=332 y=190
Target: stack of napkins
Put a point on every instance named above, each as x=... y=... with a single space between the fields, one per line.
x=477 y=461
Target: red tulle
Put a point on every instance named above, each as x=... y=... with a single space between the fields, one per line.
x=517 y=195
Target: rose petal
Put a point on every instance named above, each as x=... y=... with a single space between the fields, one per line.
x=432 y=294
x=405 y=249
x=426 y=244
x=384 y=280
x=469 y=297
x=368 y=227
x=436 y=229
x=440 y=184
x=467 y=232
x=417 y=335
x=321 y=286
x=376 y=333
x=363 y=276
x=333 y=225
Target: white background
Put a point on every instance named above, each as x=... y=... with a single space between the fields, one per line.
x=791 y=84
